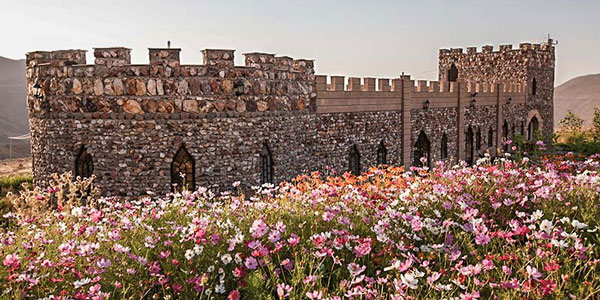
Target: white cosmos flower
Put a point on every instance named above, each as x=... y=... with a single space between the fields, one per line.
x=578 y=225
x=409 y=280
x=546 y=226
x=189 y=254
x=226 y=259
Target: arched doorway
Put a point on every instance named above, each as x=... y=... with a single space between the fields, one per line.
x=422 y=148
x=469 y=145
x=534 y=125
x=354 y=160
x=182 y=171
x=84 y=165
x=381 y=154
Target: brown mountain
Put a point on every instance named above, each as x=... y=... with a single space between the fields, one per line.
x=579 y=95
x=13 y=110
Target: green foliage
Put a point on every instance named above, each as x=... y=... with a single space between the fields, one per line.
x=572 y=136
x=14 y=183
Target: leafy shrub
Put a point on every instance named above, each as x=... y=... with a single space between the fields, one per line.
x=510 y=230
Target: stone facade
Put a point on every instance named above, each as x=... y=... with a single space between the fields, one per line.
x=132 y=119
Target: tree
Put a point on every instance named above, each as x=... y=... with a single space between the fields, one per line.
x=571 y=125
x=596 y=125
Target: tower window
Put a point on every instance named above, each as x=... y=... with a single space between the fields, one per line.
x=182 y=170
x=266 y=163
x=354 y=160
x=452 y=73
x=478 y=139
x=381 y=154
x=84 y=165
x=534 y=87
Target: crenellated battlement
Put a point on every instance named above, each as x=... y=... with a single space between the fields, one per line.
x=336 y=94
x=113 y=85
x=487 y=49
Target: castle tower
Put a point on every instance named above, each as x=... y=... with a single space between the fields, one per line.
x=532 y=64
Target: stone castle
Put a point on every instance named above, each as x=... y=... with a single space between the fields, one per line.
x=141 y=127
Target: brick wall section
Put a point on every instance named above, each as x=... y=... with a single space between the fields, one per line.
x=133 y=118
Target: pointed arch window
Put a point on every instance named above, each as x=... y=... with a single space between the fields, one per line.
x=478 y=139
x=266 y=164
x=354 y=160
x=534 y=125
x=422 y=149
x=534 y=87
x=381 y=154
x=444 y=146
x=84 y=164
x=469 y=145
x=183 y=170
x=453 y=73
x=505 y=134
x=491 y=137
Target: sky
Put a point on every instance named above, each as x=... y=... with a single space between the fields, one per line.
x=352 y=38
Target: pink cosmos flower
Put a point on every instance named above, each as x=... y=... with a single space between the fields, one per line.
x=482 y=239
x=251 y=263
x=356 y=269
x=470 y=296
x=363 y=248
x=533 y=272
x=259 y=228
x=12 y=261
x=234 y=295
x=314 y=295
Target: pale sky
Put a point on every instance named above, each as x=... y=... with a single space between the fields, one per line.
x=352 y=38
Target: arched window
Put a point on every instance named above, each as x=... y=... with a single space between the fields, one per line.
x=354 y=160
x=182 y=171
x=534 y=87
x=452 y=73
x=505 y=135
x=444 y=146
x=469 y=145
x=491 y=137
x=478 y=139
x=84 y=165
x=514 y=129
x=381 y=154
x=422 y=149
x=266 y=165
x=534 y=125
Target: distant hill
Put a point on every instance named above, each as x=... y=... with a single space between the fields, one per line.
x=580 y=95
x=13 y=110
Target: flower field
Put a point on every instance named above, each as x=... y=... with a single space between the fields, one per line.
x=508 y=230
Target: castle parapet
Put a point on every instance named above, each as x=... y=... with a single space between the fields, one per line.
x=220 y=58
x=112 y=57
x=113 y=85
x=58 y=58
x=165 y=57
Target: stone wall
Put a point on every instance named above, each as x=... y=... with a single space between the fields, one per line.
x=434 y=123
